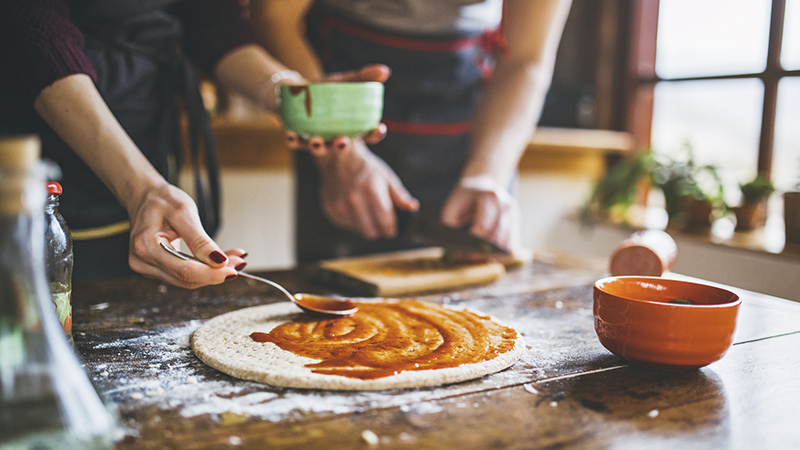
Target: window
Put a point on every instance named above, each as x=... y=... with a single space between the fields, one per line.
x=722 y=76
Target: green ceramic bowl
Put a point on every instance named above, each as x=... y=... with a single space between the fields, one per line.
x=330 y=110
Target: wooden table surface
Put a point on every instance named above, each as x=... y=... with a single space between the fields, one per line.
x=567 y=391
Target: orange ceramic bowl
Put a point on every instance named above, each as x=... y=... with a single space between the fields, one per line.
x=648 y=321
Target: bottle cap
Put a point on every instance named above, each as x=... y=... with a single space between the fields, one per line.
x=53 y=188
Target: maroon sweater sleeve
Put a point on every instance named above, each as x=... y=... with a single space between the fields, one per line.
x=212 y=28
x=40 y=44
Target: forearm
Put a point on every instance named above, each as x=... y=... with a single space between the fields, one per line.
x=158 y=212
x=251 y=71
x=506 y=120
x=280 y=26
x=75 y=110
x=514 y=97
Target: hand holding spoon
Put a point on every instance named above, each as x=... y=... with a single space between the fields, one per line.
x=312 y=304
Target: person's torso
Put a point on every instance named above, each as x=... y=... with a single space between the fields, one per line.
x=422 y=17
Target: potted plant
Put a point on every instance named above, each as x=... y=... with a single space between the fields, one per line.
x=693 y=194
x=616 y=192
x=752 y=212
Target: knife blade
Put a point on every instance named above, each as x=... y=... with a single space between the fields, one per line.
x=426 y=231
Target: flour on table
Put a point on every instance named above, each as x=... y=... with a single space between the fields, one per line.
x=190 y=388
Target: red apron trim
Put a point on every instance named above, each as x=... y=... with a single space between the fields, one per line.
x=334 y=23
x=449 y=129
x=494 y=40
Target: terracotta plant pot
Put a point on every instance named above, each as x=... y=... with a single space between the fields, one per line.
x=694 y=216
x=791 y=216
x=750 y=216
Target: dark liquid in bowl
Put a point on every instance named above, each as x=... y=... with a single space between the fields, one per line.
x=297 y=90
x=681 y=301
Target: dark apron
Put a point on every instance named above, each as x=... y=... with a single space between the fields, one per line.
x=430 y=102
x=143 y=80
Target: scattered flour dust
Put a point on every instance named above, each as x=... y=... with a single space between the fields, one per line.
x=159 y=369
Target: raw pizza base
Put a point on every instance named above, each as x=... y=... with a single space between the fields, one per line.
x=224 y=343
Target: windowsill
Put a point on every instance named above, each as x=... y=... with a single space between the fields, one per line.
x=768 y=240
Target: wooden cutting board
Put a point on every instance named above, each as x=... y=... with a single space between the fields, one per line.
x=405 y=272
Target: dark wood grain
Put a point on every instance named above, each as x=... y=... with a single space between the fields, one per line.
x=567 y=391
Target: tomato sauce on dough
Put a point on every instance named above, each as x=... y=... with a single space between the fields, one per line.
x=386 y=338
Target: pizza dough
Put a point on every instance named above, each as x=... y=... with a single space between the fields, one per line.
x=415 y=340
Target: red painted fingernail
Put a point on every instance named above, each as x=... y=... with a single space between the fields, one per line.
x=240 y=266
x=217 y=257
x=245 y=255
x=231 y=277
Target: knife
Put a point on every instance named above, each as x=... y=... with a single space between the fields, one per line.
x=426 y=231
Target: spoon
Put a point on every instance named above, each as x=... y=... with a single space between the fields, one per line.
x=312 y=304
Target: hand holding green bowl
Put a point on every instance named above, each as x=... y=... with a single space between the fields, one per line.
x=331 y=109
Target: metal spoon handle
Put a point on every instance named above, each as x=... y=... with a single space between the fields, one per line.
x=337 y=311
x=179 y=254
x=188 y=257
x=269 y=282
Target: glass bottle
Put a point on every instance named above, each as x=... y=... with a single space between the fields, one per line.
x=59 y=258
x=46 y=399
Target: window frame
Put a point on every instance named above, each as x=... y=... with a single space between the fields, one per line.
x=642 y=76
